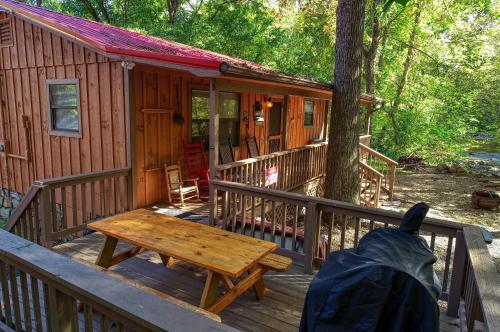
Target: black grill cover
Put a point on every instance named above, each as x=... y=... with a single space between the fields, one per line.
x=386 y=284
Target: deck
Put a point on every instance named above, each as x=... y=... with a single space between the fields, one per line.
x=280 y=310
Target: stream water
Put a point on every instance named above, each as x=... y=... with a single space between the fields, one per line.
x=487 y=147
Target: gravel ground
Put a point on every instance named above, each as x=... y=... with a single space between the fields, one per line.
x=449 y=198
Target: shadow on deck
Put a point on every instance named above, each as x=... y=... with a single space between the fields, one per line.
x=280 y=310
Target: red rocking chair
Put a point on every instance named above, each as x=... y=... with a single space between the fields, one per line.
x=194 y=157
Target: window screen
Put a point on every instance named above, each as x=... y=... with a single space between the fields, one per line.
x=229 y=117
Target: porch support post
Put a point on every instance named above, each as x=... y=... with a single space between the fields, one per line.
x=214 y=149
x=368 y=116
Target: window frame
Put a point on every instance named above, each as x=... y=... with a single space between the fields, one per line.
x=312 y=113
x=61 y=132
x=219 y=100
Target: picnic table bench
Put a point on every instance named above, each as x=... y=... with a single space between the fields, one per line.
x=226 y=256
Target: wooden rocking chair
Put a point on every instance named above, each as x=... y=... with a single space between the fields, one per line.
x=175 y=185
x=252 y=146
x=194 y=157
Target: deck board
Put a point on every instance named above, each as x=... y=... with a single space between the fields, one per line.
x=279 y=310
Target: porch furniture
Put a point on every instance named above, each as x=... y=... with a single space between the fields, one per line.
x=194 y=157
x=225 y=255
x=176 y=190
x=226 y=154
x=252 y=146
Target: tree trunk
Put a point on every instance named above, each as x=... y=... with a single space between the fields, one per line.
x=342 y=170
x=370 y=53
x=404 y=77
x=172 y=7
x=104 y=11
x=91 y=10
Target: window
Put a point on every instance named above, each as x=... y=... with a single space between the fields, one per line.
x=64 y=107
x=6 y=33
x=308 y=113
x=229 y=117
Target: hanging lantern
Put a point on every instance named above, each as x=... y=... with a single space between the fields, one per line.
x=258 y=114
x=268 y=102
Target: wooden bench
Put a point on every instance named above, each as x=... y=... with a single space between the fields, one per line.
x=275 y=262
x=150 y=290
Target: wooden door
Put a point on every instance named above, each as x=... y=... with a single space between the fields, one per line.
x=275 y=128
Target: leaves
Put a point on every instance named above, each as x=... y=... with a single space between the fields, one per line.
x=453 y=81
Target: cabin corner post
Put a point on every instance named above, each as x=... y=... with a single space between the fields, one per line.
x=130 y=134
x=213 y=149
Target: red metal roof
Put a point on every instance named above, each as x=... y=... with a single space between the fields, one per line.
x=114 y=40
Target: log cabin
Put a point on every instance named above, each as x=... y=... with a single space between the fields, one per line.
x=80 y=97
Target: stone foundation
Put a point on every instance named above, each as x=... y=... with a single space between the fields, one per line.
x=9 y=200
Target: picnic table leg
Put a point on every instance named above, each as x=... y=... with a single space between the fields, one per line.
x=107 y=250
x=210 y=290
x=235 y=291
x=167 y=261
x=259 y=287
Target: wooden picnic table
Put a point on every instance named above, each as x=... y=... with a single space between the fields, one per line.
x=225 y=255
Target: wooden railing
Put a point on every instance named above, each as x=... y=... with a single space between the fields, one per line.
x=44 y=291
x=309 y=228
x=382 y=164
x=370 y=183
x=295 y=167
x=57 y=208
x=479 y=282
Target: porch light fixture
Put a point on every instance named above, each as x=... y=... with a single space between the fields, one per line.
x=258 y=115
x=268 y=102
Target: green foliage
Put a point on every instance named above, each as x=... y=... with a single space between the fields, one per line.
x=453 y=82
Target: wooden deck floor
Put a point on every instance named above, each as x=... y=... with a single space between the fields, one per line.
x=280 y=310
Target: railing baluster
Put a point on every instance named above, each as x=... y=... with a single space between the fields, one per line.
x=294 y=230
x=92 y=201
x=262 y=227
x=83 y=194
x=283 y=226
x=35 y=295
x=252 y=216
x=64 y=208
x=6 y=293
x=26 y=301
x=447 y=264
x=343 y=225
x=15 y=297
x=273 y=220
x=88 y=318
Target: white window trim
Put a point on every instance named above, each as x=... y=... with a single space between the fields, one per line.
x=56 y=132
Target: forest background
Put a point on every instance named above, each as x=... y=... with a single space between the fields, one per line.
x=434 y=62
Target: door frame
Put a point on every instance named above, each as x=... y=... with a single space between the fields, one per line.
x=283 y=108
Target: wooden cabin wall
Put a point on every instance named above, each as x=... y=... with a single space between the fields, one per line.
x=159 y=93
x=298 y=134
x=158 y=140
x=38 y=55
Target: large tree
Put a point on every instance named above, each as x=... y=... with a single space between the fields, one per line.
x=342 y=170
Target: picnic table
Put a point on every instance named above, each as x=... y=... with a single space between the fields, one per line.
x=227 y=256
